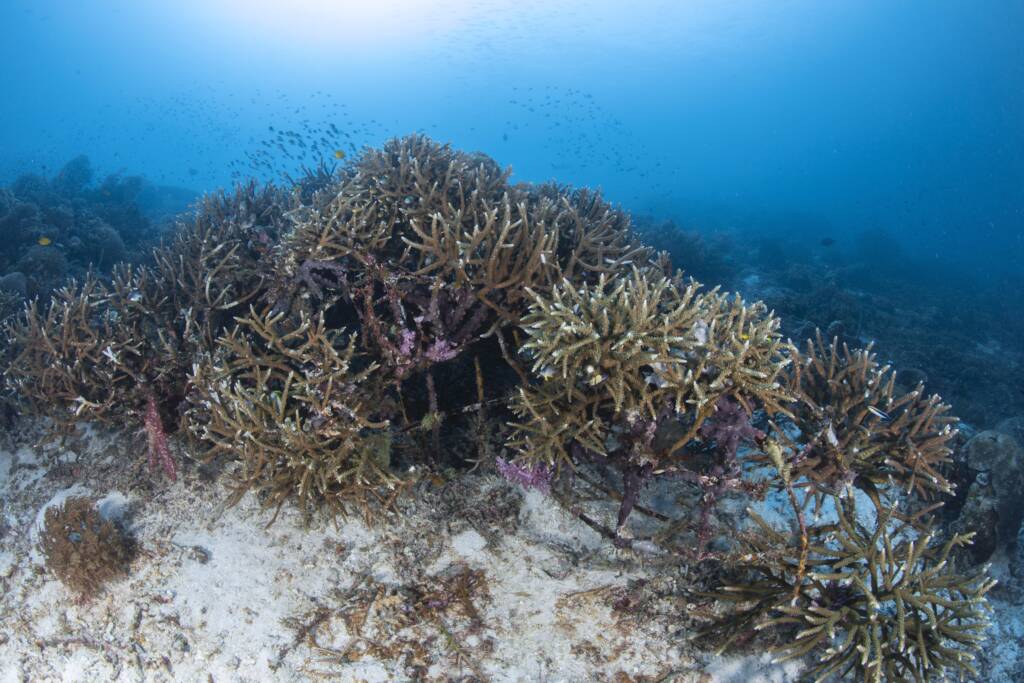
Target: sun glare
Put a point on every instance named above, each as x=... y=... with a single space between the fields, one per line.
x=337 y=26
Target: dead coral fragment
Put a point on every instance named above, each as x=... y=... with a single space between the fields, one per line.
x=877 y=601
x=83 y=549
x=288 y=402
x=858 y=430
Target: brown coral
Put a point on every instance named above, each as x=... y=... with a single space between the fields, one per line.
x=103 y=350
x=630 y=369
x=637 y=348
x=296 y=408
x=878 y=600
x=857 y=429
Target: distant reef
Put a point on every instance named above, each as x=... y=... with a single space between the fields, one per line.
x=61 y=227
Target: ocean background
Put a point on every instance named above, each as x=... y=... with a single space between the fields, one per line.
x=858 y=165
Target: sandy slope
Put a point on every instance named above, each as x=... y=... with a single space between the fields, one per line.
x=476 y=581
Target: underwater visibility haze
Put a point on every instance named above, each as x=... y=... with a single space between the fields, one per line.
x=874 y=143
x=618 y=253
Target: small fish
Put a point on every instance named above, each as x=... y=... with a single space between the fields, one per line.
x=339 y=154
x=827 y=242
x=879 y=413
x=44 y=241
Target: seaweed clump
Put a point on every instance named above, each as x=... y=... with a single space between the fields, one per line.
x=82 y=549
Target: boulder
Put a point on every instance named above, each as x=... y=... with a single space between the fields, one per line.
x=993 y=509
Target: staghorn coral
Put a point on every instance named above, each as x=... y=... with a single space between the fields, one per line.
x=430 y=250
x=67 y=358
x=630 y=369
x=299 y=413
x=856 y=429
x=123 y=348
x=219 y=262
x=876 y=600
x=636 y=380
x=429 y=214
x=99 y=352
x=593 y=236
x=633 y=347
x=83 y=549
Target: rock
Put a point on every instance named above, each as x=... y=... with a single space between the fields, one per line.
x=992 y=509
x=15 y=283
x=1012 y=426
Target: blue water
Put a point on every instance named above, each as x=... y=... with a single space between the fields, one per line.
x=852 y=133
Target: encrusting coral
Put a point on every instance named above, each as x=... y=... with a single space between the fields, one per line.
x=83 y=549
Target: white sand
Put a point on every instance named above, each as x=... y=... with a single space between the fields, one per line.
x=214 y=596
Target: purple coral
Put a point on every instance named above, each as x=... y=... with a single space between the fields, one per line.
x=728 y=427
x=531 y=477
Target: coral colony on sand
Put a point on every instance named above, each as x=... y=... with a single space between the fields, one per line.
x=330 y=341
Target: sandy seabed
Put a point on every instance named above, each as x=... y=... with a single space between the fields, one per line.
x=475 y=581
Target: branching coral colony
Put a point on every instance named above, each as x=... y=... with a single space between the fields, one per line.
x=304 y=336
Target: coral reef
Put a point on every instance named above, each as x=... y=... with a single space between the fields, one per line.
x=938 y=319
x=707 y=257
x=65 y=226
x=321 y=343
x=83 y=549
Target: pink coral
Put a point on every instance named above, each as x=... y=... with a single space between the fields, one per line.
x=159 y=451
